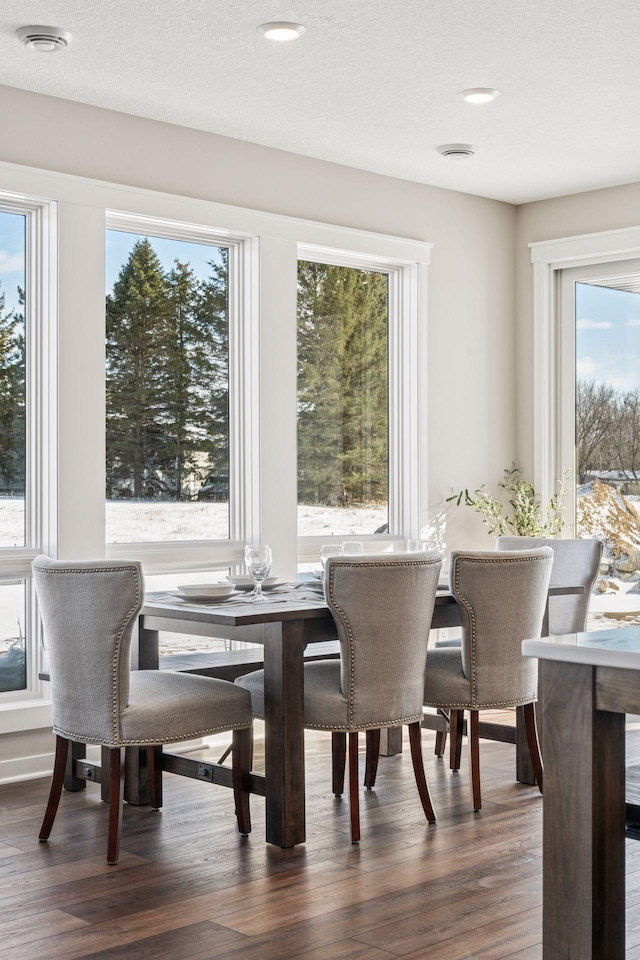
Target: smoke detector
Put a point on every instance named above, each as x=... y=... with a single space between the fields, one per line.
x=44 y=39
x=457 y=151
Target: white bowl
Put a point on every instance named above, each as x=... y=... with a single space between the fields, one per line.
x=245 y=582
x=216 y=591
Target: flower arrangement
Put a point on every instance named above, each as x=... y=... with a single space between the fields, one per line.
x=523 y=514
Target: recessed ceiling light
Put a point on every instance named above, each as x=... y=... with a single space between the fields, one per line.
x=281 y=30
x=457 y=151
x=479 y=94
x=44 y=39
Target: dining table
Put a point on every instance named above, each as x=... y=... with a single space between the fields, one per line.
x=286 y=625
x=589 y=681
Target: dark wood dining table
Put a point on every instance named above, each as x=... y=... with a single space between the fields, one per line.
x=589 y=681
x=284 y=628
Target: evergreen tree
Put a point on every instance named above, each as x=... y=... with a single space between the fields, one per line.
x=210 y=371
x=179 y=452
x=138 y=322
x=167 y=380
x=12 y=395
x=342 y=384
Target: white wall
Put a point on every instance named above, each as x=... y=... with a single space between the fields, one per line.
x=470 y=435
x=580 y=213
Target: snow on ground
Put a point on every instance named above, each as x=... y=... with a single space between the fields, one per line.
x=134 y=522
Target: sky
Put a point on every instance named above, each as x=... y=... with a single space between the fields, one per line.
x=119 y=245
x=12 y=239
x=608 y=336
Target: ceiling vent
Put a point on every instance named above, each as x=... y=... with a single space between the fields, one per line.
x=457 y=151
x=44 y=39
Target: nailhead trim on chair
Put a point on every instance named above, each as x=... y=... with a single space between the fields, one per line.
x=147 y=743
x=349 y=633
x=376 y=725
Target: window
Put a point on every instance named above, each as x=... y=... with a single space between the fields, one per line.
x=26 y=449
x=607 y=405
x=167 y=397
x=12 y=378
x=343 y=400
x=13 y=641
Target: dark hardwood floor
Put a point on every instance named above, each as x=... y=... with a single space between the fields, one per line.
x=189 y=888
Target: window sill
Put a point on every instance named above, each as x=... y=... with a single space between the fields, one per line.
x=16 y=717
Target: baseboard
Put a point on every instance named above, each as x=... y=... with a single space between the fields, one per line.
x=26 y=768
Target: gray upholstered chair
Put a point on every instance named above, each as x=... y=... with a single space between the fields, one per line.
x=88 y=613
x=502 y=597
x=575 y=563
x=382 y=607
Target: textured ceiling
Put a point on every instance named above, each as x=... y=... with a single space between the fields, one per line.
x=372 y=83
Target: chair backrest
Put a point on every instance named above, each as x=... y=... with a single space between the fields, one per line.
x=88 y=613
x=502 y=598
x=383 y=606
x=575 y=563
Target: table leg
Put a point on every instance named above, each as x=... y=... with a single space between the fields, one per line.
x=524 y=767
x=390 y=741
x=77 y=751
x=284 y=732
x=584 y=819
x=145 y=655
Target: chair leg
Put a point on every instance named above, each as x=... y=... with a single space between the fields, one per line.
x=456 y=723
x=59 y=768
x=354 y=799
x=338 y=761
x=116 y=802
x=241 y=767
x=531 y=729
x=474 y=757
x=154 y=772
x=373 y=753
x=415 y=740
x=441 y=736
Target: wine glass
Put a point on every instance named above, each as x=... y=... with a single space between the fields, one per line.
x=353 y=548
x=328 y=550
x=258 y=561
x=421 y=546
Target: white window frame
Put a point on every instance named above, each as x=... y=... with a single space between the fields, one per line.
x=164 y=556
x=554 y=334
x=404 y=346
x=41 y=442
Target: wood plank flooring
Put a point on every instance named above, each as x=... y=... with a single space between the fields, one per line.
x=189 y=888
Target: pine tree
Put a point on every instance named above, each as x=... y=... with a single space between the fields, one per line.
x=12 y=395
x=342 y=384
x=210 y=366
x=138 y=322
x=180 y=453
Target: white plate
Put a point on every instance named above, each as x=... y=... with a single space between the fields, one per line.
x=203 y=591
x=246 y=583
x=313 y=586
x=203 y=598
